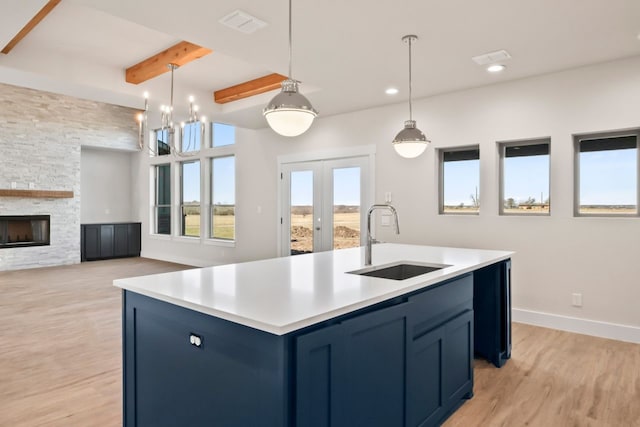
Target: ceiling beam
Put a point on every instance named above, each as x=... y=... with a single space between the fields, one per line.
x=180 y=54
x=30 y=25
x=250 y=88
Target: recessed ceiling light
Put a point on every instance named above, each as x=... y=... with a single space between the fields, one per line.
x=496 y=68
x=391 y=91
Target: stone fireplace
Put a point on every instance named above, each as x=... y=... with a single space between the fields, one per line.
x=24 y=230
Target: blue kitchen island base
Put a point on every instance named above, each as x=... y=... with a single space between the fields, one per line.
x=407 y=361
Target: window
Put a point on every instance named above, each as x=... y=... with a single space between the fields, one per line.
x=192 y=134
x=460 y=180
x=162 y=205
x=190 y=198
x=223 y=134
x=223 y=198
x=162 y=142
x=525 y=177
x=607 y=173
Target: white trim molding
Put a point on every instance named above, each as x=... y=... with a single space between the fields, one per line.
x=594 y=328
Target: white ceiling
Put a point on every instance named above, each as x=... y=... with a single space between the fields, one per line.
x=345 y=52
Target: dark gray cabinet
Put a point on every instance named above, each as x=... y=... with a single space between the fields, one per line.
x=104 y=241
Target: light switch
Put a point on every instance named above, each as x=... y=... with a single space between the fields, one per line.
x=14 y=185
x=387 y=197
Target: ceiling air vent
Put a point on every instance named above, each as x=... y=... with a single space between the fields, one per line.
x=491 y=57
x=243 y=22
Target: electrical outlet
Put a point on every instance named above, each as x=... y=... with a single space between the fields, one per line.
x=14 y=185
x=385 y=220
x=32 y=186
x=576 y=300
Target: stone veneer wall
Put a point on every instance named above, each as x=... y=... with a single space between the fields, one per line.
x=40 y=138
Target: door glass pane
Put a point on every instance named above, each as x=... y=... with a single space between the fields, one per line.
x=346 y=208
x=301 y=212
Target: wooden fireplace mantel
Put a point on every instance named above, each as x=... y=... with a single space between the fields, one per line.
x=42 y=194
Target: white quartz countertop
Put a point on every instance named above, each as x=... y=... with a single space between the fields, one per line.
x=282 y=295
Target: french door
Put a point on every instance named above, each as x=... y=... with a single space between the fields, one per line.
x=323 y=204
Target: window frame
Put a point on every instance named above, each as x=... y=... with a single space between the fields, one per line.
x=156 y=206
x=440 y=157
x=502 y=146
x=181 y=217
x=211 y=204
x=577 y=138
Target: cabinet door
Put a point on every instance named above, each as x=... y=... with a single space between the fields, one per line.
x=425 y=400
x=317 y=377
x=106 y=241
x=121 y=240
x=134 y=239
x=373 y=377
x=91 y=242
x=457 y=373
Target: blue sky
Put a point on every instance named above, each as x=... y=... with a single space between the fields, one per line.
x=608 y=177
x=224 y=184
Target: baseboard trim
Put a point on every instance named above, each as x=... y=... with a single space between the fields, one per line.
x=177 y=259
x=594 y=328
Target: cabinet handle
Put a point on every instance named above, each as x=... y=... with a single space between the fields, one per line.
x=195 y=340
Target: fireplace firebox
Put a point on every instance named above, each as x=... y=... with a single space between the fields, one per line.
x=24 y=230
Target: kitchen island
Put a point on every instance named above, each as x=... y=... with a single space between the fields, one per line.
x=301 y=341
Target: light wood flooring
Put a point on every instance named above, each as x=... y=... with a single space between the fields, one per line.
x=60 y=360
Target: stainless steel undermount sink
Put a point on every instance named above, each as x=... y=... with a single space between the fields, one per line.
x=399 y=270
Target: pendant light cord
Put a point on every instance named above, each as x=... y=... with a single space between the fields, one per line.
x=290 y=42
x=410 y=107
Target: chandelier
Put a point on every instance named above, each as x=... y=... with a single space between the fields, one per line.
x=182 y=141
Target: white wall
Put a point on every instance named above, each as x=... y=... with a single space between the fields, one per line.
x=556 y=255
x=105 y=185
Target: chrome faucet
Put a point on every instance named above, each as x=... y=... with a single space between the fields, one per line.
x=371 y=240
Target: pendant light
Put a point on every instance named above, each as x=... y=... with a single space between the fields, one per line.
x=289 y=113
x=410 y=142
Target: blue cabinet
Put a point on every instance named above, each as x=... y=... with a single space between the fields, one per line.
x=492 y=305
x=407 y=361
x=236 y=376
x=409 y=364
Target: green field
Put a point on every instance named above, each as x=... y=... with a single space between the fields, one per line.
x=223 y=226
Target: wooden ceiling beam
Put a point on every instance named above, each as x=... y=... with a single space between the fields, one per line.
x=180 y=54
x=30 y=25
x=247 y=89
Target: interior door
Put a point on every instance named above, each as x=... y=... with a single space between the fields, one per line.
x=323 y=204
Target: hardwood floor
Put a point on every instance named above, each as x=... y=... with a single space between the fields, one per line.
x=60 y=360
x=60 y=343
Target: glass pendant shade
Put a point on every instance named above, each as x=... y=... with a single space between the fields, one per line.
x=289 y=113
x=410 y=142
